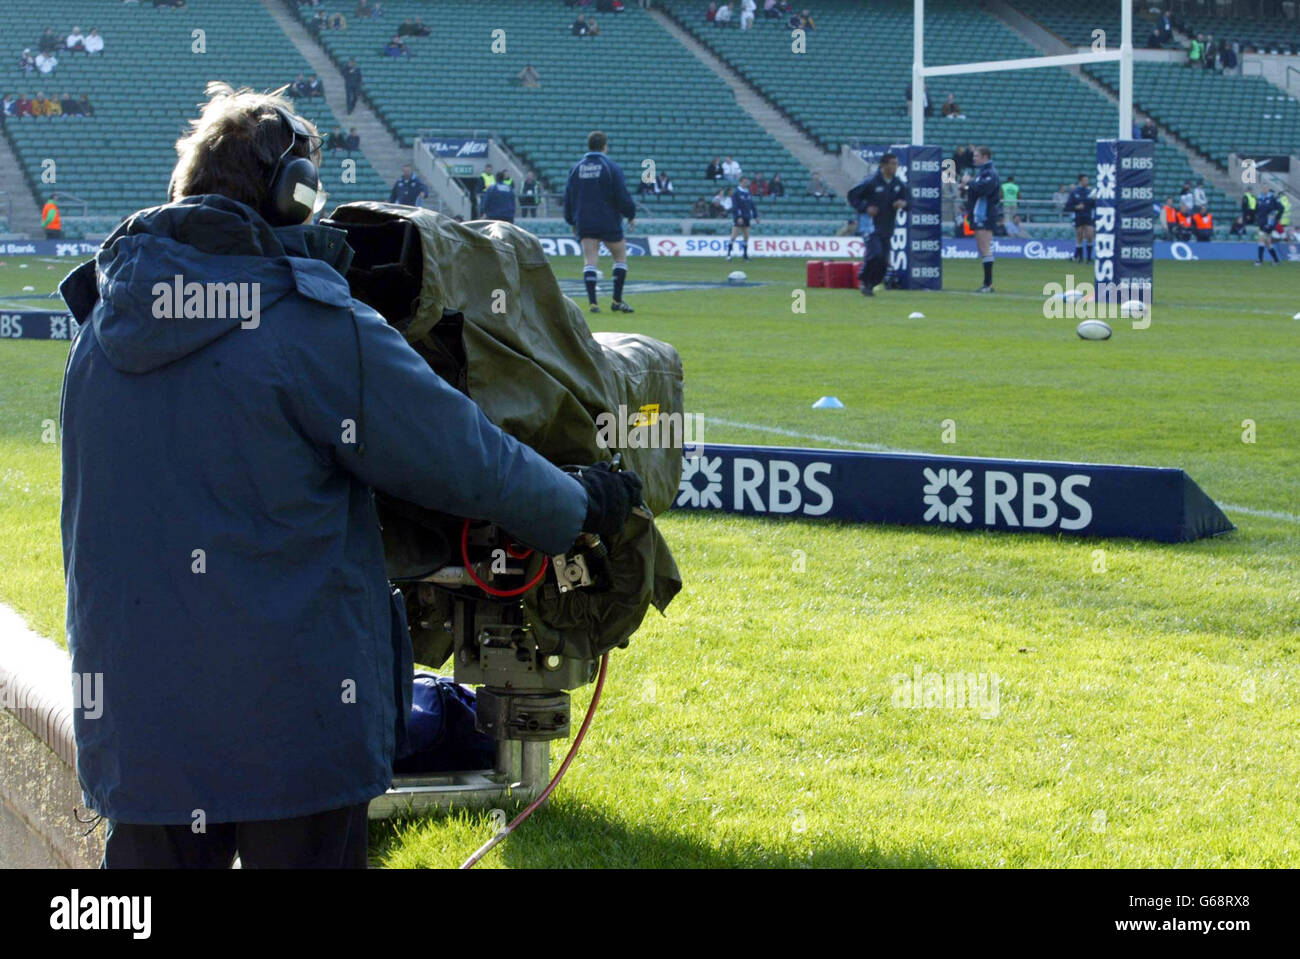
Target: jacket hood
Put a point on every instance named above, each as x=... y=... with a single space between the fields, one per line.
x=174 y=278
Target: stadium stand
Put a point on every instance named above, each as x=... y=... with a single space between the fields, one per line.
x=652 y=97
x=1264 y=34
x=851 y=84
x=144 y=91
x=1216 y=113
x=1074 y=22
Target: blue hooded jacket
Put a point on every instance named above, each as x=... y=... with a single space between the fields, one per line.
x=223 y=557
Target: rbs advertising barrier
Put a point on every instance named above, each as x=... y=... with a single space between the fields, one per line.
x=1081 y=499
x=1124 y=217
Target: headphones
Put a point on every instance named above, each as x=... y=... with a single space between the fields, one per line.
x=293 y=190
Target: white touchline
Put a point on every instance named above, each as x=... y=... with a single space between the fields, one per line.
x=880 y=448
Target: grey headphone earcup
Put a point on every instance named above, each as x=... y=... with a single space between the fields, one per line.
x=292 y=196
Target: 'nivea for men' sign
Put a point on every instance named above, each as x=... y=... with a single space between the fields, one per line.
x=965 y=493
x=457 y=147
x=1124 y=218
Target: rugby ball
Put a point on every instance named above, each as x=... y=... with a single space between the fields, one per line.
x=1132 y=309
x=736 y=277
x=1093 y=330
x=916 y=316
x=1296 y=317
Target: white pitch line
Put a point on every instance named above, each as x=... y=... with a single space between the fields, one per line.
x=879 y=448
x=1269 y=513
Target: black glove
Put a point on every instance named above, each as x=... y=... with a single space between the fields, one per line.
x=610 y=498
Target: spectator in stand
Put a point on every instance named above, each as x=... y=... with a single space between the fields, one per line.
x=336 y=21
x=27 y=62
x=94 y=42
x=731 y=170
x=593 y=28
x=1199 y=197
x=1203 y=224
x=408 y=189
x=40 y=105
x=10 y=107
x=315 y=88
x=299 y=87
x=579 y=27
x=1210 y=55
x=718 y=205
x=907 y=98
x=46 y=62
x=714 y=170
x=76 y=42
x=363 y=11
x=68 y=106
x=1010 y=196
x=396 y=48
x=530 y=196
x=498 y=201
x=816 y=187
x=84 y=106
x=1149 y=131
x=335 y=141
x=776 y=186
x=26 y=103
x=1232 y=57
x=352 y=82
x=804 y=21
x=1187 y=200
x=747 y=8
x=49 y=41
x=1017 y=228
x=951 y=110
x=759 y=186
x=663 y=185
x=54 y=107
x=711 y=14
x=723 y=16
x=645 y=187
x=353 y=141
x=528 y=77
x=1060 y=196
x=1195 y=50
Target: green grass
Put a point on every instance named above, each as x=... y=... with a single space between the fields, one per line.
x=1146 y=714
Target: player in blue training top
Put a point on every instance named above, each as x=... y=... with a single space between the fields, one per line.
x=1268 y=210
x=1081 y=203
x=878 y=198
x=983 y=206
x=595 y=202
x=743 y=213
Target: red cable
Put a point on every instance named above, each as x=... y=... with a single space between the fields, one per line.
x=492 y=590
x=573 y=751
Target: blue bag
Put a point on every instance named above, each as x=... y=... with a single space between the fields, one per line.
x=440 y=731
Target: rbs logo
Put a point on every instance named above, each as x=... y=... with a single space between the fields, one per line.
x=778 y=487
x=1032 y=502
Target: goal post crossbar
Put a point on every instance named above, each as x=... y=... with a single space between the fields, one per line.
x=1124 y=56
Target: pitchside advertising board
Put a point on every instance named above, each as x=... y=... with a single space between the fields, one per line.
x=964 y=493
x=1124 y=218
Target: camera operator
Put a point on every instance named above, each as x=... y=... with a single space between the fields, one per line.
x=225 y=571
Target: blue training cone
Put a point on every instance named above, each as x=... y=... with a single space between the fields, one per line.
x=828 y=403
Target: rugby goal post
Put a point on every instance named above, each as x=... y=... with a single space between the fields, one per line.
x=1124 y=55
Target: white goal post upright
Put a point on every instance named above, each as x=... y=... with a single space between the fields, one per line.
x=1104 y=55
